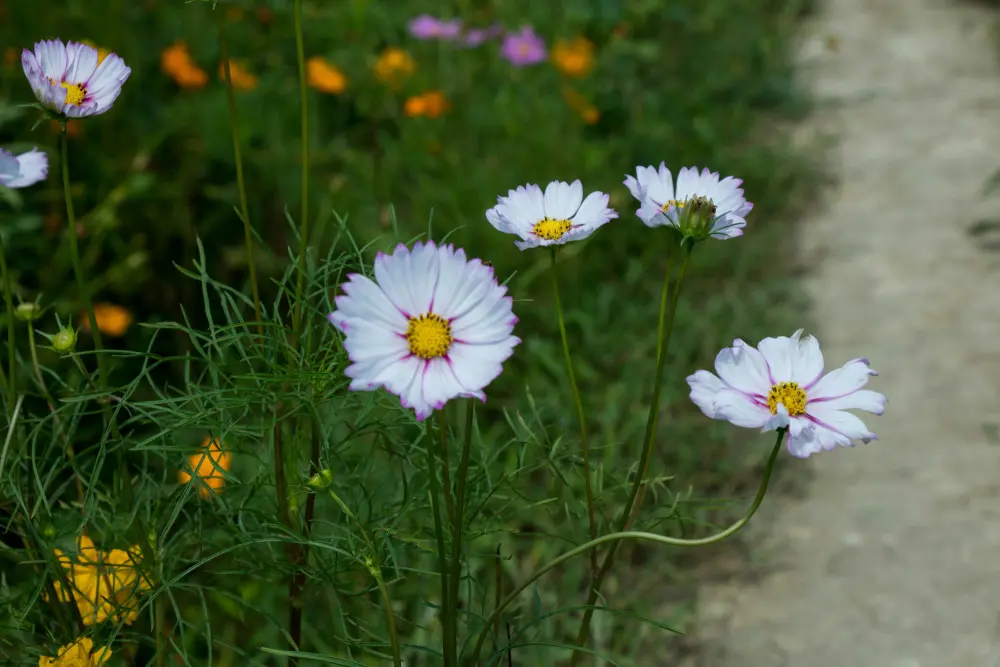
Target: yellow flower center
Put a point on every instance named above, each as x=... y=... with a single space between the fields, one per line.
x=789 y=394
x=429 y=336
x=673 y=202
x=75 y=92
x=551 y=230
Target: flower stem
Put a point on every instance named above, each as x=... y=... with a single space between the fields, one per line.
x=240 y=181
x=448 y=642
x=304 y=127
x=81 y=282
x=584 y=442
x=457 y=525
x=664 y=330
x=617 y=538
x=8 y=295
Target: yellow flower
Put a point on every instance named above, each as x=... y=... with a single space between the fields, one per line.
x=574 y=57
x=80 y=653
x=394 y=65
x=432 y=104
x=177 y=64
x=324 y=77
x=242 y=78
x=103 y=585
x=102 y=53
x=208 y=466
x=111 y=319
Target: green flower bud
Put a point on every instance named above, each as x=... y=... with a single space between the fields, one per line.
x=64 y=341
x=28 y=311
x=697 y=218
x=321 y=480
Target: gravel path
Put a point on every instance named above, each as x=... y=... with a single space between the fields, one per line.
x=893 y=557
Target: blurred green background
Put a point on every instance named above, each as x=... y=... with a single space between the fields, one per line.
x=691 y=82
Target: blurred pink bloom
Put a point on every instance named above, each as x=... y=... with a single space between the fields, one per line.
x=523 y=48
x=428 y=27
x=477 y=36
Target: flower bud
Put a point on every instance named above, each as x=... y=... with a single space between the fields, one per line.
x=64 y=341
x=697 y=218
x=28 y=311
x=321 y=480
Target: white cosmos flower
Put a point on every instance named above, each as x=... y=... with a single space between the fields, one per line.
x=781 y=383
x=20 y=171
x=558 y=216
x=71 y=79
x=662 y=203
x=432 y=326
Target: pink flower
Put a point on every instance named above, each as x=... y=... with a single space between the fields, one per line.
x=477 y=36
x=428 y=27
x=523 y=48
x=780 y=384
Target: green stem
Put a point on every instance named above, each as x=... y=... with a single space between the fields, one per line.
x=462 y=482
x=304 y=124
x=448 y=639
x=584 y=443
x=240 y=181
x=8 y=295
x=81 y=282
x=617 y=538
x=664 y=331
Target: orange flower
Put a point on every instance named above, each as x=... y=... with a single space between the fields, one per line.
x=208 y=465
x=394 y=65
x=242 y=78
x=9 y=57
x=324 y=77
x=574 y=57
x=578 y=103
x=432 y=104
x=73 y=127
x=177 y=64
x=111 y=319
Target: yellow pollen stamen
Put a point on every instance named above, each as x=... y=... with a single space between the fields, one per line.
x=429 y=336
x=673 y=202
x=75 y=92
x=551 y=230
x=789 y=394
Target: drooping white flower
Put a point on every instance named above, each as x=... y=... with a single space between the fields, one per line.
x=557 y=216
x=431 y=327
x=71 y=79
x=781 y=383
x=663 y=203
x=20 y=171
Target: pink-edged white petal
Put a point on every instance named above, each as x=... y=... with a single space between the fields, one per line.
x=743 y=367
x=562 y=200
x=848 y=425
x=861 y=399
x=31 y=167
x=778 y=354
x=848 y=378
x=741 y=410
x=436 y=284
x=704 y=387
x=81 y=62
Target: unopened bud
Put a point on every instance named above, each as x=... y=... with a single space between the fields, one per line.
x=64 y=341
x=28 y=311
x=321 y=480
x=697 y=218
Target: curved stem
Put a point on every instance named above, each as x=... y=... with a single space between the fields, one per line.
x=390 y=616
x=240 y=181
x=617 y=538
x=664 y=330
x=584 y=443
x=304 y=125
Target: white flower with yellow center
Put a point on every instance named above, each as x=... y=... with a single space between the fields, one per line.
x=663 y=203
x=431 y=327
x=20 y=171
x=72 y=79
x=780 y=383
x=558 y=216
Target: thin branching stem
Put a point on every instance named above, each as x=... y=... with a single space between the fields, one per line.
x=449 y=646
x=304 y=129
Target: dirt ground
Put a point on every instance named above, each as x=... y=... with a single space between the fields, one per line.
x=892 y=559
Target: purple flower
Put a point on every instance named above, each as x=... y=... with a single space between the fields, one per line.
x=523 y=48
x=428 y=27
x=477 y=36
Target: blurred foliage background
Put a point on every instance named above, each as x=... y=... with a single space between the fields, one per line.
x=413 y=136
